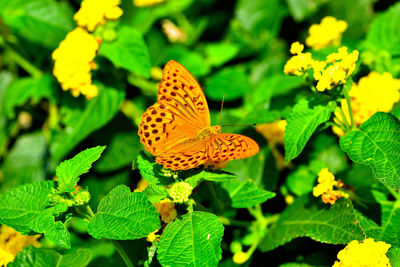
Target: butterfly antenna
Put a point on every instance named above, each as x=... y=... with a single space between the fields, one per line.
x=222 y=106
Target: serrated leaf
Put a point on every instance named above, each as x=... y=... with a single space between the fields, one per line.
x=45 y=22
x=246 y=194
x=386 y=228
x=19 y=206
x=124 y=215
x=208 y=175
x=376 y=144
x=311 y=218
x=128 y=51
x=194 y=240
x=42 y=257
x=151 y=172
x=68 y=171
x=80 y=121
x=54 y=231
x=301 y=124
x=231 y=82
x=394 y=256
x=155 y=193
x=21 y=90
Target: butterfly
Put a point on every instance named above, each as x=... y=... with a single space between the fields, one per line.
x=177 y=131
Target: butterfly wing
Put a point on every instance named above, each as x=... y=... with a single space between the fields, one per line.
x=179 y=114
x=226 y=146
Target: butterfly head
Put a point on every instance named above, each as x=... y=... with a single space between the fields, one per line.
x=209 y=131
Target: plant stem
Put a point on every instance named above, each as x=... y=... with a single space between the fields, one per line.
x=347 y=96
x=227 y=221
x=395 y=194
x=122 y=253
x=23 y=63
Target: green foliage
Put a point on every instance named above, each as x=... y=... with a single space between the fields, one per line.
x=124 y=215
x=41 y=257
x=194 y=240
x=68 y=171
x=246 y=194
x=129 y=51
x=306 y=218
x=301 y=124
x=375 y=144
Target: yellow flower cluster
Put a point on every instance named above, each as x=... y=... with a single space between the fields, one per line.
x=180 y=192
x=273 y=132
x=300 y=62
x=367 y=253
x=166 y=208
x=12 y=242
x=74 y=61
x=324 y=188
x=152 y=236
x=329 y=73
x=95 y=12
x=335 y=70
x=141 y=186
x=373 y=93
x=143 y=3
x=328 y=32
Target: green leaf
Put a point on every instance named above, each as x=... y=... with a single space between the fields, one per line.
x=128 y=51
x=80 y=121
x=376 y=144
x=68 y=171
x=209 y=175
x=192 y=61
x=384 y=32
x=246 y=194
x=21 y=90
x=301 y=124
x=220 y=53
x=394 y=256
x=152 y=172
x=42 y=257
x=155 y=193
x=20 y=205
x=194 y=240
x=385 y=227
x=25 y=209
x=311 y=218
x=124 y=215
x=45 y=22
x=25 y=160
x=122 y=150
x=233 y=82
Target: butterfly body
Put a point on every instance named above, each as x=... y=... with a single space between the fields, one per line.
x=177 y=130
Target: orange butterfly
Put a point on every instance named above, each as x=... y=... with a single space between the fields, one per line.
x=177 y=130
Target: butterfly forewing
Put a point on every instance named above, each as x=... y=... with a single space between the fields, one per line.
x=182 y=95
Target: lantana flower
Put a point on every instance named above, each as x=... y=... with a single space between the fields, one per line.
x=328 y=32
x=325 y=187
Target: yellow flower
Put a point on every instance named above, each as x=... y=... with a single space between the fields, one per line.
x=273 y=132
x=240 y=257
x=166 y=208
x=95 y=12
x=12 y=242
x=300 y=62
x=324 y=188
x=152 y=236
x=180 y=192
x=143 y=3
x=328 y=32
x=74 y=61
x=373 y=93
x=367 y=253
x=335 y=70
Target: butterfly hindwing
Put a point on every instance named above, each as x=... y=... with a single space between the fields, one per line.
x=226 y=146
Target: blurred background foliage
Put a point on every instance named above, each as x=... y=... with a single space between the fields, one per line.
x=234 y=48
